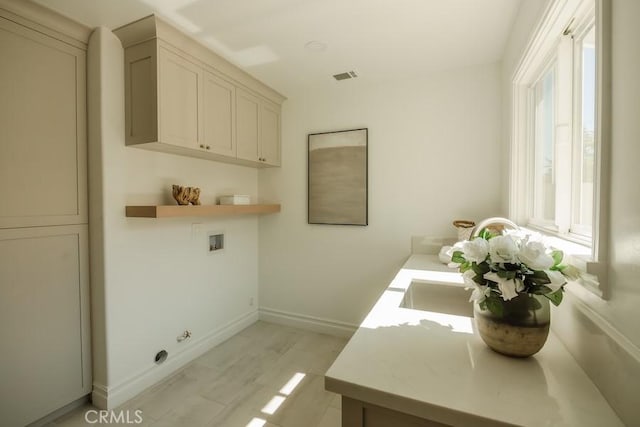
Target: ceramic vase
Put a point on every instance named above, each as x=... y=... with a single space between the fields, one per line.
x=521 y=330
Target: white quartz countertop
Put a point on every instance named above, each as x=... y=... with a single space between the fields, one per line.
x=434 y=365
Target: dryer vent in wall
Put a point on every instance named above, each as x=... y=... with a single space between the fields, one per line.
x=161 y=356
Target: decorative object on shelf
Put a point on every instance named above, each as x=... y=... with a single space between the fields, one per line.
x=465 y=227
x=236 y=199
x=337 y=177
x=514 y=276
x=186 y=195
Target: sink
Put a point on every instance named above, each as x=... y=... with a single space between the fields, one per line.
x=448 y=299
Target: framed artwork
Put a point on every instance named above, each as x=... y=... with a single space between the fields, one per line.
x=337 y=177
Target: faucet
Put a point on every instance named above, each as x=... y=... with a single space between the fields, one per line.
x=496 y=220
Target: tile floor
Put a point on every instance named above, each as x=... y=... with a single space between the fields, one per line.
x=267 y=375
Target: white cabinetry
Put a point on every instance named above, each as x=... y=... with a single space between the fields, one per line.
x=179 y=100
x=219 y=115
x=42 y=129
x=184 y=99
x=44 y=284
x=258 y=129
x=270 y=133
x=44 y=321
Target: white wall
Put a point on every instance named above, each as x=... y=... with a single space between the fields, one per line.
x=153 y=278
x=603 y=335
x=434 y=156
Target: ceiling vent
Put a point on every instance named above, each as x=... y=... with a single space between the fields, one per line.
x=345 y=76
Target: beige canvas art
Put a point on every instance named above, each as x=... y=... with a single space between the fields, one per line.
x=338 y=177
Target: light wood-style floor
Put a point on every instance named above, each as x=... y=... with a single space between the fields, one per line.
x=267 y=375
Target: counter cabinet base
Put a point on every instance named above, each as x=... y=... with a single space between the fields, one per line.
x=356 y=413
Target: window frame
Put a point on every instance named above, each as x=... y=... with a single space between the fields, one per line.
x=556 y=20
x=579 y=231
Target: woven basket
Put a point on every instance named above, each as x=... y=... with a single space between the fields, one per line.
x=465 y=227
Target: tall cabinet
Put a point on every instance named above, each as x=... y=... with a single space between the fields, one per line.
x=45 y=361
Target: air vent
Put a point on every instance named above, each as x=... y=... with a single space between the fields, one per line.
x=345 y=76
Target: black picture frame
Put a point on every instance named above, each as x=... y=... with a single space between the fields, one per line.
x=337 y=177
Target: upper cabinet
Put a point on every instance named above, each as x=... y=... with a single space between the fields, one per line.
x=181 y=98
x=258 y=129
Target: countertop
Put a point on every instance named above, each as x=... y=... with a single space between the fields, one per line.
x=434 y=365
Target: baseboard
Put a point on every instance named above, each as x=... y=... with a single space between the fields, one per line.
x=109 y=397
x=316 y=324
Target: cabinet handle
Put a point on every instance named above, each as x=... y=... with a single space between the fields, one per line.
x=208 y=147
x=201 y=145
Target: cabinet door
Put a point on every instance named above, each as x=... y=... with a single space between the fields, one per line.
x=44 y=321
x=42 y=129
x=218 y=114
x=179 y=100
x=270 y=133
x=247 y=125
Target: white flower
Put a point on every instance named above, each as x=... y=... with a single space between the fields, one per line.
x=508 y=287
x=480 y=292
x=475 y=250
x=517 y=234
x=534 y=255
x=557 y=280
x=468 y=276
x=503 y=249
x=455 y=248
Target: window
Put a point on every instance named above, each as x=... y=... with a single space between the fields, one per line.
x=561 y=140
x=559 y=149
x=584 y=125
x=543 y=192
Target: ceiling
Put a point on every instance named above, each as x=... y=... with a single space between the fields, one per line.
x=380 y=40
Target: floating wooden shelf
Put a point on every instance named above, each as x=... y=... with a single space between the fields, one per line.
x=168 y=211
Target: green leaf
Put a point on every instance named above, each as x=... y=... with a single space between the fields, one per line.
x=465 y=266
x=479 y=279
x=555 y=297
x=481 y=268
x=510 y=275
x=538 y=278
x=539 y=290
x=534 y=304
x=486 y=234
x=557 y=256
x=494 y=304
x=458 y=257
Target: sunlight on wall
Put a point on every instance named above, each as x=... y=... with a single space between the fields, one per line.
x=169 y=8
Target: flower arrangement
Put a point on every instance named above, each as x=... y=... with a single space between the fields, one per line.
x=499 y=267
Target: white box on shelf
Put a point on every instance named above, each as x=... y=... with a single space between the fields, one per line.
x=236 y=199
